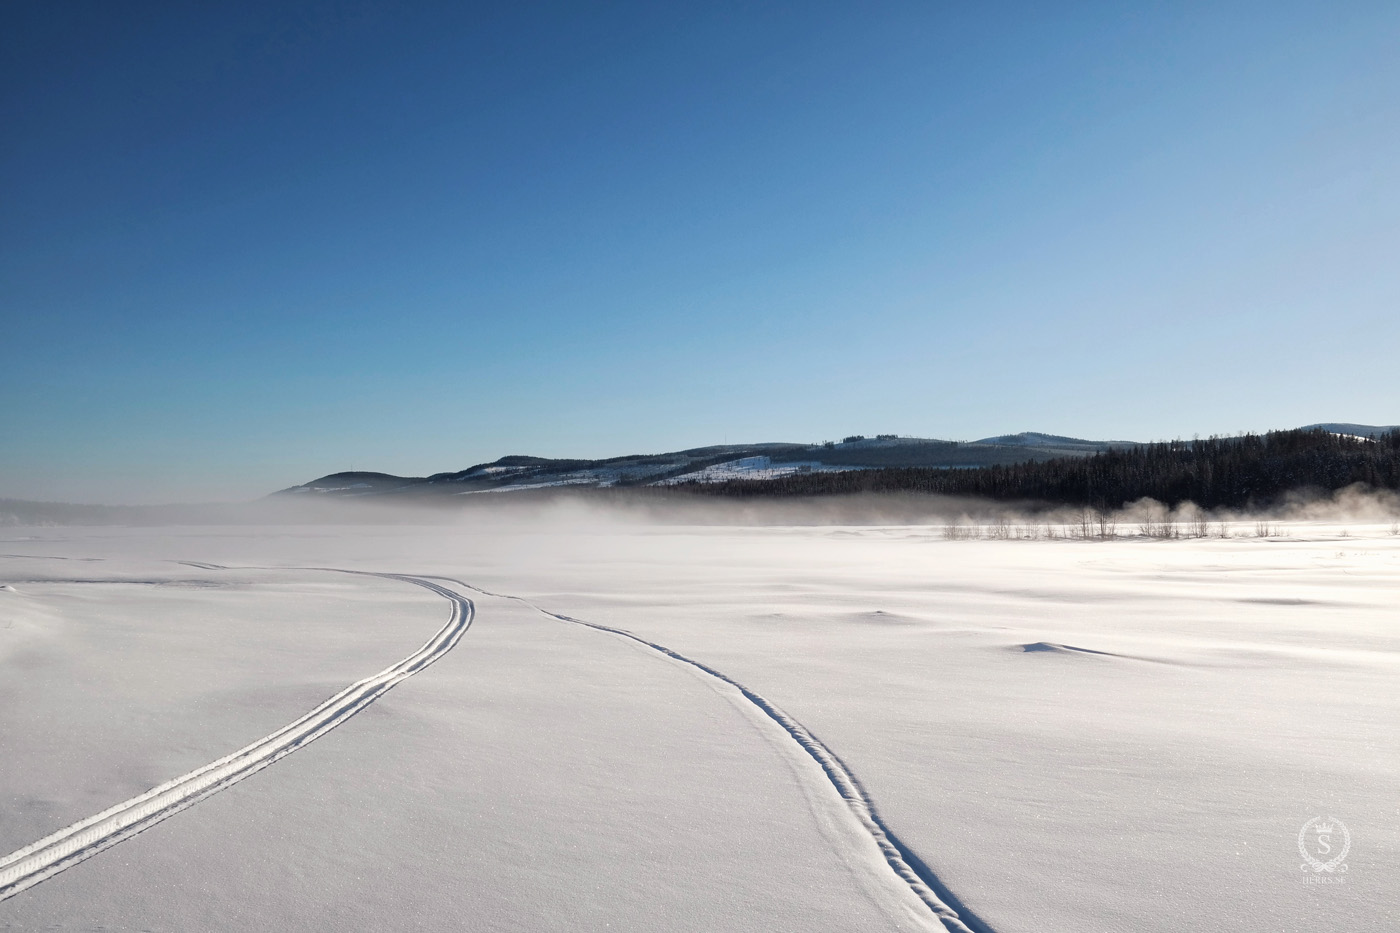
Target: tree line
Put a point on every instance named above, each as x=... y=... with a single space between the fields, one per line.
x=1230 y=472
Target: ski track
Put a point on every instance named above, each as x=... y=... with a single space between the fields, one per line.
x=52 y=854
x=950 y=911
x=82 y=840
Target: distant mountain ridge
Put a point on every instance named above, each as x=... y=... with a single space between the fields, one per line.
x=1036 y=439
x=1248 y=471
x=718 y=463
x=1355 y=430
x=725 y=463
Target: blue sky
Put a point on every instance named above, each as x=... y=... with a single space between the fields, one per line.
x=245 y=245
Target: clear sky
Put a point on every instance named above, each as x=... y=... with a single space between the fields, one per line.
x=243 y=245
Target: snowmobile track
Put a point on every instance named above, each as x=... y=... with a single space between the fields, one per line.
x=82 y=840
x=925 y=885
x=67 y=847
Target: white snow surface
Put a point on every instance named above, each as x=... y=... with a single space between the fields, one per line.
x=1071 y=735
x=762 y=467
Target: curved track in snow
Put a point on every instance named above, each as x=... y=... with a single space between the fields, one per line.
x=54 y=853
x=84 y=839
x=911 y=870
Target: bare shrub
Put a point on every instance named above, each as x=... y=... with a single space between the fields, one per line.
x=1156 y=524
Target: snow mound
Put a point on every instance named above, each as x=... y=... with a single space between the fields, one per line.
x=1051 y=647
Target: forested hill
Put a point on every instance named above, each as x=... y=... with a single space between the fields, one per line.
x=1249 y=470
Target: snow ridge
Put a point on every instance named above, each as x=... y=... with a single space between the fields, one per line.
x=82 y=840
x=954 y=916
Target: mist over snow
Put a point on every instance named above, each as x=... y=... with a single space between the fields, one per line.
x=599 y=746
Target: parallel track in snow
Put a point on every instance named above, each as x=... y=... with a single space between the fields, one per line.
x=910 y=869
x=67 y=847
x=84 y=839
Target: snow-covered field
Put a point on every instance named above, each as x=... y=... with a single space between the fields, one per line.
x=753 y=468
x=1050 y=735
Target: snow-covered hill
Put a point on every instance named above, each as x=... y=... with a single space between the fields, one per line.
x=1354 y=430
x=720 y=463
x=705 y=465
